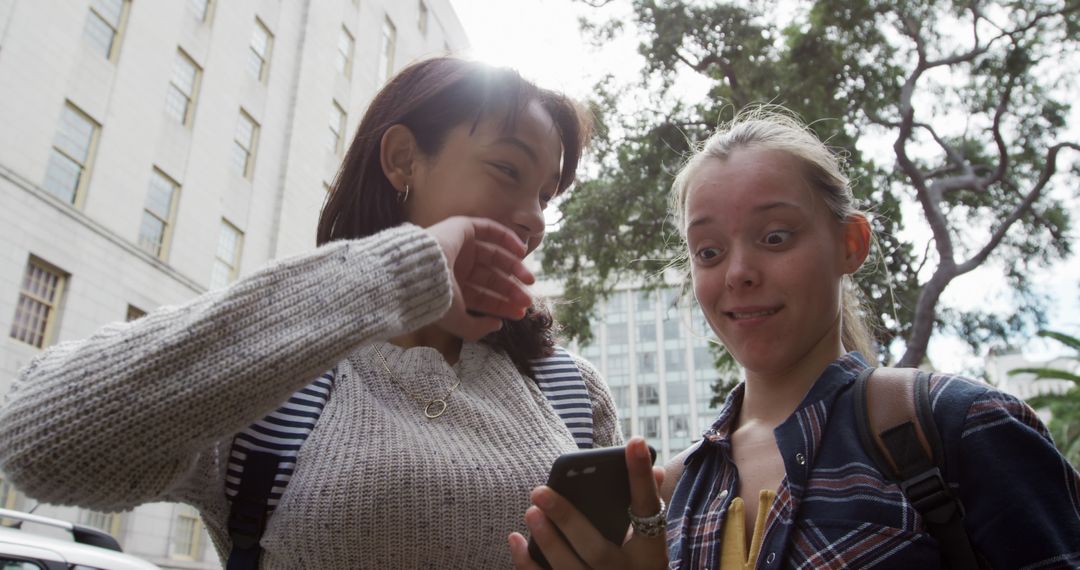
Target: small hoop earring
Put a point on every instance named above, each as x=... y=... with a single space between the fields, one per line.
x=402 y=196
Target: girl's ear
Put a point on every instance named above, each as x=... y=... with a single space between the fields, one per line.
x=856 y=242
x=398 y=155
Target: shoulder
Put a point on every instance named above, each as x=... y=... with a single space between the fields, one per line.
x=978 y=405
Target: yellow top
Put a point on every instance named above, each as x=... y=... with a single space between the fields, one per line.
x=734 y=554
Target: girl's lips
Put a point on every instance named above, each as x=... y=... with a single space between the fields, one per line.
x=748 y=313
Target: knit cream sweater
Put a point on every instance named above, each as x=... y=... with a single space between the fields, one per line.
x=145 y=411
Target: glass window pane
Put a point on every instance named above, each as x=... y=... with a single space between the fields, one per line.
x=255 y=63
x=184 y=71
x=260 y=39
x=110 y=10
x=99 y=34
x=74 y=135
x=245 y=130
x=62 y=177
x=151 y=234
x=199 y=9
x=240 y=159
x=160 y=195
x=176 y=104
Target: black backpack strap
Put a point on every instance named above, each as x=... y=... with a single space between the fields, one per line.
x=248 y=513
x=260 y=464
x=897 y=429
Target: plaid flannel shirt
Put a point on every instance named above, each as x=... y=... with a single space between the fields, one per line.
x=834 y=510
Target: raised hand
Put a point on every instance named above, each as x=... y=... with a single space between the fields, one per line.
x=584 y=547
x=489 y=278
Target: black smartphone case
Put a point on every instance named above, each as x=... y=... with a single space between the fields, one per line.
x=596 y=482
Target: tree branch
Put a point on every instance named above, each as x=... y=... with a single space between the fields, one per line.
x=1036 y=191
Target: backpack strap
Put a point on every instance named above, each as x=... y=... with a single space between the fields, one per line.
x=261 y=462
x=896 y=426
x=561 y=382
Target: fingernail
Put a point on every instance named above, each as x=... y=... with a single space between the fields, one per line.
x=640 y=450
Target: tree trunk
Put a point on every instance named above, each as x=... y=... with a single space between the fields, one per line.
x=925 y=315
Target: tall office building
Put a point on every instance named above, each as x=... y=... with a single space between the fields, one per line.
x=653 y=349
x=151 y=150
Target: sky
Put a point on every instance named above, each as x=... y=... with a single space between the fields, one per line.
x=541 y=39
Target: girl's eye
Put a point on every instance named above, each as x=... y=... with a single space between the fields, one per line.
x=708 y=253
x=506 y=169
x=777 y=237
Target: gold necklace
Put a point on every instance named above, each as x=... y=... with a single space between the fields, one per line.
x=434 y=408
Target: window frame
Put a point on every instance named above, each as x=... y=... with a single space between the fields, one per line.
x=85 y=166
x=117 y=31
x=337 y=111
x=191 y=99
x=250 y=150
x=234 y=265
x=48 y=333
x=194 y=535
x=166 y=233
x=344 y=60
x=387 y=49
x=423 y=17
x=264 y=58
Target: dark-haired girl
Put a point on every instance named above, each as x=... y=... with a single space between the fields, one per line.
x=434 y=433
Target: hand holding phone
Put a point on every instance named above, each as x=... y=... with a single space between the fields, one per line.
x=597 y=483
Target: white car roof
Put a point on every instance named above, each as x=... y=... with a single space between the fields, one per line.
x=19 y=542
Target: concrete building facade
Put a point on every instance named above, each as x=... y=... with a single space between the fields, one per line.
x=152 y=150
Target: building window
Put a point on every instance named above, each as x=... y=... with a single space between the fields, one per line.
x=422 y=20
x=345 y=46
x=386 y=53
x=679 y=426
x=650 y=427
x=262 y=41
x=108 y=522
x=200 y=9
x=39 y=299
x=245 y=139
x=620 y=395
x=647 y=395
x=103 y=26
x=646 y=332
x=157 y=217
x=624 y=425
x=674 y=360
x=134 y=313
x=180 y=100
x=227 y=258
x=187 y=532
x=73 y=149
x=337 y=128
x=646 y=362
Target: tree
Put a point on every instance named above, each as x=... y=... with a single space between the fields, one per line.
x=973 y=97
x=1064 y=408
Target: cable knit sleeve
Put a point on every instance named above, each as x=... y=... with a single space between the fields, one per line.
x=122 y=417
x=606 y=432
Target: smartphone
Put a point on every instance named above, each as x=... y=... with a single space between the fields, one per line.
x=596 y=482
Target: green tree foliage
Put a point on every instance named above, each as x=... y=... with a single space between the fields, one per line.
x=958 y=108
x=1064 y=408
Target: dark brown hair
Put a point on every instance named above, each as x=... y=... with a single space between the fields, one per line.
x=432 y=97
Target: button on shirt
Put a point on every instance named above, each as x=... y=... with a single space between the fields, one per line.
x=834 y=509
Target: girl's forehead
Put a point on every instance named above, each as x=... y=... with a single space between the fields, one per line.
x=747 y=176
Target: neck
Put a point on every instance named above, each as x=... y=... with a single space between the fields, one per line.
x=432 y=336
x=771 y=396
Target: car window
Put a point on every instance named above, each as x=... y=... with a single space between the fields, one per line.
x=11 y=564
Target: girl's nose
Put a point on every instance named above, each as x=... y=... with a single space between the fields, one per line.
x=741 y=272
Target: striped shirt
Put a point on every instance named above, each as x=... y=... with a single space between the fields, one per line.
x=835 y=510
